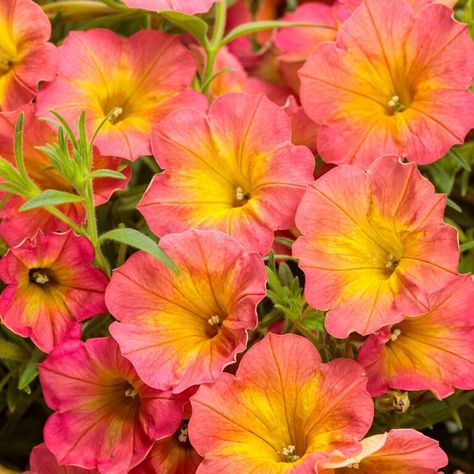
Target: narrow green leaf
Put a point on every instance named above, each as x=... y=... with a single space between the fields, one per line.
x=192 y=24
x=140 y=241
x=257 y=26
x=27 y=374
x=467 y=246
x=11 y=351
x=18 y=149
x=453 y=153
x=50 y=197
x=105 y=173
x=66 y=126
x=453 y=205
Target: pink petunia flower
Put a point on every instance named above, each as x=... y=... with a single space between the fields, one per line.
x=190 y=325
x=26 y=57
x=234 y=170
x=374 y=245
x=389 y=85
x=142 y=78
x=403 y=451
x=282 y=411
x=105 y=417
x=429 y=351
x=51 y=286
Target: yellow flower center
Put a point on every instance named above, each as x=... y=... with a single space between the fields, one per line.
x=131 y=392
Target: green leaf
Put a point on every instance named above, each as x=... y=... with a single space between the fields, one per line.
x=314 y=321
x=27 y=374
x=11 y=351
x=467 y=246
x=453 y=205
x=257 y=26
x=50 y=197
x=192 y=24
x=140 y=241
x=460 y=160
x=105 y=173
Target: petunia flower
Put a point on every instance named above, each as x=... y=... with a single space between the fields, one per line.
x=430 y=351
x=189 y=7
x=26 y=57
x=105 y=417
x=172 y=455
x=402 y=451
x=388 y=85
x=42 y=461
x=51 y=287
x=140 y=78
x=234 y=170
x=374 y=245
x=283 y=410
x=16 y=225
x=190 y=325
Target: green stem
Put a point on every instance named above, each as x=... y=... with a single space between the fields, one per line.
x=214 y=45
x=93 y=233
x=281 y=257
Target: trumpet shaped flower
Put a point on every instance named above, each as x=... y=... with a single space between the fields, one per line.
x=105 y=417
x=16 y=225
x=429 y=351
x=283 y=410
x=388 y=85
x=190 y=325
x=172 y=455
x=26 y=57
x=403 y=451
x=139 y=79
x=234 y=170
x=374 y=245
x=51 y=287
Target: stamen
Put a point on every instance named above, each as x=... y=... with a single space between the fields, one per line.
x=131 y=393
x=395 y=335
x=115 y=114
x=214 y=320
x=288 y=452
x=40 y=278
x=395 y=103
x=183 y=435
x=239 y=194
x=392 y=262
x=355 y=465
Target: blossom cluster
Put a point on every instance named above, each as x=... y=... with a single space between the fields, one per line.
x=206 y=352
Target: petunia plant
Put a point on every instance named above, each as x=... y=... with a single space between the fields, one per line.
x=236 y=236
